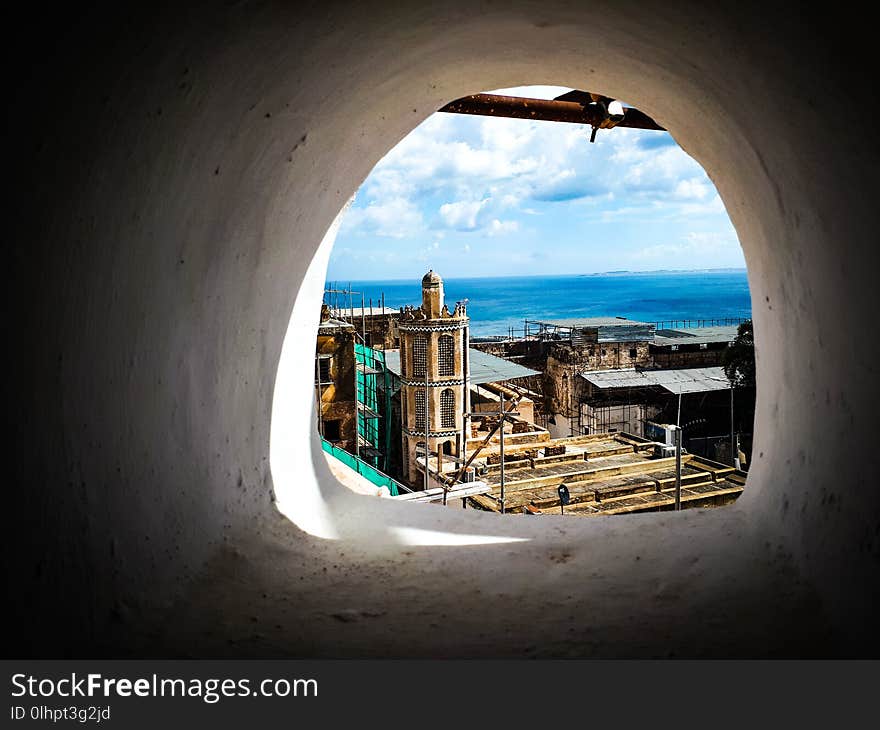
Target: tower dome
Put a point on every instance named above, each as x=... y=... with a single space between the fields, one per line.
x=432 y=277
x=432 y=294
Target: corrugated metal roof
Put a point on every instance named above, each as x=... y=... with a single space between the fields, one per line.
x=695 y=335
x=485 y=368
x=691 y=380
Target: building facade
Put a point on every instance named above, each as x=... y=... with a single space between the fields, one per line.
x=434 y=378
x=335 y=382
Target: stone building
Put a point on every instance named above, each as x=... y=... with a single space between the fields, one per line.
x=567 y=350
x=335 y=381
x=376 y=324
x=489 y=377
x=577 y=345
x=434 y=376
x=692 y=347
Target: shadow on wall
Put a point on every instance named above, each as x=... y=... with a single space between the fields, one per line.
x=178 y=172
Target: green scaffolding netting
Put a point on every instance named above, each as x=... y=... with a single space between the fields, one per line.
x=374 y=404
x=367 y=471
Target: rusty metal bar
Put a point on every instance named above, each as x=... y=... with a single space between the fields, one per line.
x=552 y=110
x=513 y=403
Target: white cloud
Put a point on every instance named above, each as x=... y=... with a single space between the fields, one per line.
x=456 y=174
x=714 y=206
x=498 y=228
x=693 y=188
x=462 y=215
x=699 y=245
x=394 y=217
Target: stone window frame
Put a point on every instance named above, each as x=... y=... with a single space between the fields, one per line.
x=447 y=408
x=419 y=356
x=446 y=355
x=420 y=409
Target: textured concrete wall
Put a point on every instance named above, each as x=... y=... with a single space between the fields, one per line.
x=688 y=358
x=175 y=175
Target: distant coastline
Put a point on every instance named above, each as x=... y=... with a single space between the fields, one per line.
x=616 y=272
x=660 y=272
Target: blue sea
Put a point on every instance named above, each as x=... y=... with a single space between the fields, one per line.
x=497 y=304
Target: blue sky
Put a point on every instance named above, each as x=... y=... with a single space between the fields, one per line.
x=483 y=196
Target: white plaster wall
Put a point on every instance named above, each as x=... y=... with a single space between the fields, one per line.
x=178 y=187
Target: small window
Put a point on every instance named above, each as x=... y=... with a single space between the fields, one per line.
x=420 y=356
x=446 y=361
x=332 y=431
x=324 y=369
x=420 y=410
x=674 y=347
x=704 y=345
x=633 y=352
x=447 y=409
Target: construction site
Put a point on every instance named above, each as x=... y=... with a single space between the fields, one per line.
x=604 y=474
x=421 y=415
x=170 y=499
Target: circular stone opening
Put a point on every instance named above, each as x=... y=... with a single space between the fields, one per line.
x=623 y=363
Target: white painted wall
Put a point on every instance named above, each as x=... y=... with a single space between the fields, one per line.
x=178 y=189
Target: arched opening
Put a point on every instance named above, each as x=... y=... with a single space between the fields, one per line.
x=446 y=356
x=533 y=219
x=447 y=409
x=190 y=235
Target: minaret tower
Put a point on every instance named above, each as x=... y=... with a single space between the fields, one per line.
x=434 y=378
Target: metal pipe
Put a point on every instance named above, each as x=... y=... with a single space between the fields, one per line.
x=440 y=472
x=501 y=449
x=733 y=455
x=319 y=395
x=427 y=423
x=677 y=468
x=466 y=388
x=552 y=110
x=485 y=441
x=357 y=402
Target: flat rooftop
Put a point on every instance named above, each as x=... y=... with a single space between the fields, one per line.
x=695 y=335
x=687 y=380
x=585 y=322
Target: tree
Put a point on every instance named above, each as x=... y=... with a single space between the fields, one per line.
x=738 y=359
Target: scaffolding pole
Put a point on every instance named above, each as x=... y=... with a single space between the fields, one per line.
x=427 y=423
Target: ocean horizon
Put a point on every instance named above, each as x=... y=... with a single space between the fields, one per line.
x=498 y=304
